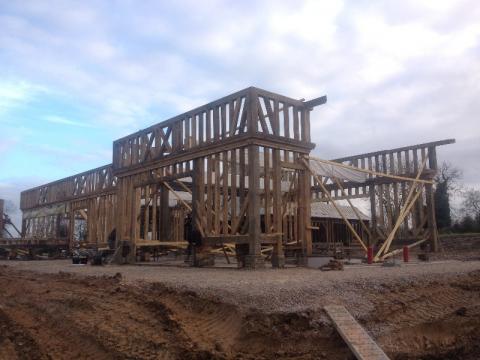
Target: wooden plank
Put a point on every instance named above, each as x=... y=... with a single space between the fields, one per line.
x=219 y=239
x=357 y=339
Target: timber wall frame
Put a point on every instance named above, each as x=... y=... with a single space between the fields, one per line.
x=387 y=195
x=219 y=146
x=234 y=157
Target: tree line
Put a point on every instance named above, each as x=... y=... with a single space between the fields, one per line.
x=467 y=219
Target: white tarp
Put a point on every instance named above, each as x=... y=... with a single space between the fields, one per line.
x=340 y=172
x=47 y=210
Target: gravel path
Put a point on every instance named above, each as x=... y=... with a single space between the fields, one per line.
x=292 y=290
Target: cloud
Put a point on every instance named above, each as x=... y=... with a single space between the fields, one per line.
x=60 y=120
x=17 y=93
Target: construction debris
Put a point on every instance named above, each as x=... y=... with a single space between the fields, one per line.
x=332 y=265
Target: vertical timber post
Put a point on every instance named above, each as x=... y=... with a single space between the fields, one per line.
x=305 y=185
x=164 y=213
x=2 y=202
x=304 y=217
x=308 y=213
x=71 y=226
x=254 y=258
x=199 y=255
x=124 y=219
x=373 y=212
x=432 y=222
x=278 y=255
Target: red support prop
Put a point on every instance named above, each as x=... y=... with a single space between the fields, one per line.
x=405 y=253
x=369 y=255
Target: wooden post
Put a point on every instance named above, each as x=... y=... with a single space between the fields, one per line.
x=254 y=258
x=121 y=212
x=278 y=255
x=304 y=223
x=164 y=213
x=432 y=222
x=71 y=226
x=198 y=189
x=308 y=208
x=373 y=211
x=2 y=202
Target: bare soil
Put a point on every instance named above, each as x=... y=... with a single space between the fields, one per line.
x=65 y=315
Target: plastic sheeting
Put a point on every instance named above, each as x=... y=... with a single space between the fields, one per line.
x=47 y=210
x=330 y=170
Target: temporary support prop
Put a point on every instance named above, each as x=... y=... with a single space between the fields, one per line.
x=335 y=170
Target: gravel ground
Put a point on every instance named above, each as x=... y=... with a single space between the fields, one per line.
x=285 y=290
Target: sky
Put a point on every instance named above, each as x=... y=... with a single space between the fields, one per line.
x=76 y=75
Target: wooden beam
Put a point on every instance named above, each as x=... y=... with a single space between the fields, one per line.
x=403 y=213
x=371 y=171
x=177 y=196
x=349 y=225
x=354 y=209
x=310 y=104
x=404 y=148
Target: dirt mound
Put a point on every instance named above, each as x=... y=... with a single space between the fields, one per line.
x=66 y=316
x=436 y=320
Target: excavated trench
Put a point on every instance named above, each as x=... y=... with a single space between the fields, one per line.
x=66 y=316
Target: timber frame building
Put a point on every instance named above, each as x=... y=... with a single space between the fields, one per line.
x=237 y=165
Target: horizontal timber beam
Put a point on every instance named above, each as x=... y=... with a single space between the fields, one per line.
x=404 y=148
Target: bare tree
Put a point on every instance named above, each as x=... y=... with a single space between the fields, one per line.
x=447 y=182
x=450 y=176
x=471 y=203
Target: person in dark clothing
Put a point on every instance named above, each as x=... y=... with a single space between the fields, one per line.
x=125 y=251
x=194 y=237
x=112 y=238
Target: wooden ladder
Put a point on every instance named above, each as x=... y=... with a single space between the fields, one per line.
x=357 y=339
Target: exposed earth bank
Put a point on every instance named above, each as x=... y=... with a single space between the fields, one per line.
x=65 y=316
